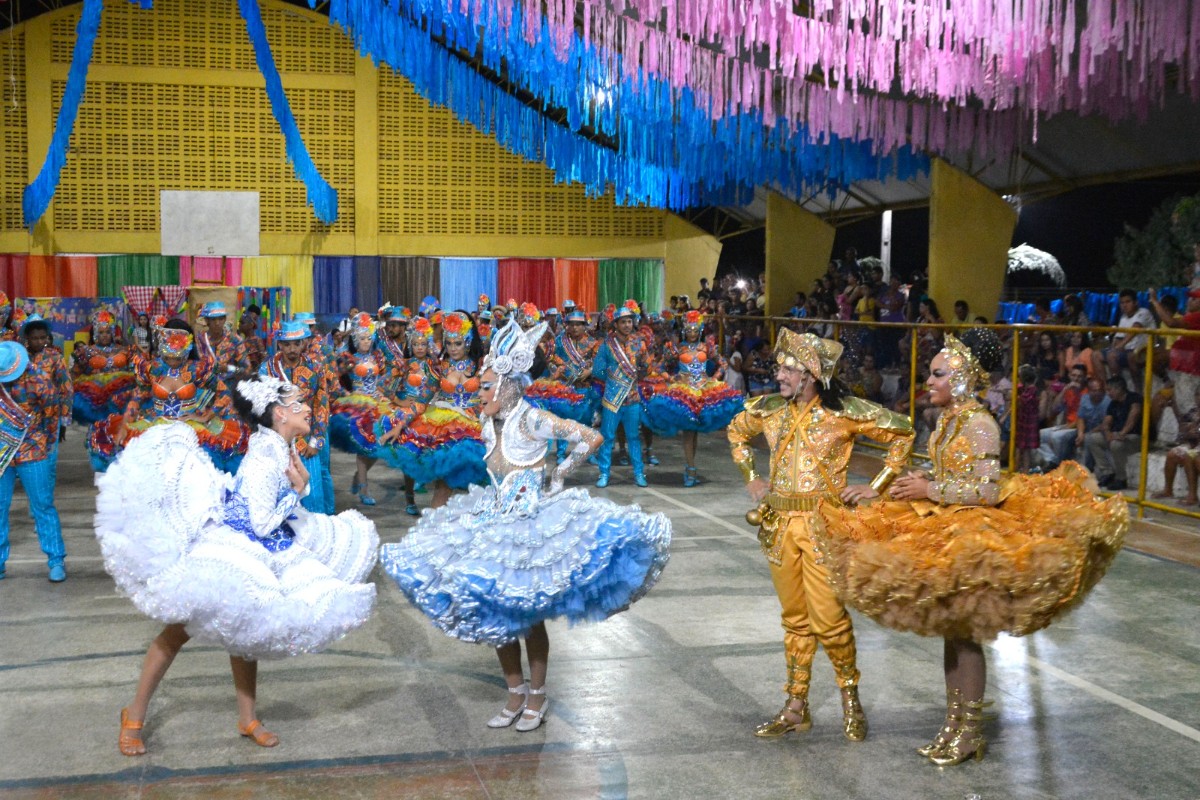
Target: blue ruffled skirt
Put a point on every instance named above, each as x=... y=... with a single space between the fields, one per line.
x=488 y=577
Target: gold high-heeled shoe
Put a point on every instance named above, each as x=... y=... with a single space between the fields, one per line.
x=967 y=741
x=854 y=719
x=953 y=720
x=781 y=725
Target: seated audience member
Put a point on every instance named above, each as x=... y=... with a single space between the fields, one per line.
x=1186 y=452
x=1058 y=440
x=1125 y=350
x=1093 y=408
x=1120 y=435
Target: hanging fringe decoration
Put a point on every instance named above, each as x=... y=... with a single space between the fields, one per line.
x=37 y=196
x=321 y=196
x=670 y=153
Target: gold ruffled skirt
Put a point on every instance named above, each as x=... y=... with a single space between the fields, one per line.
x=973 y=572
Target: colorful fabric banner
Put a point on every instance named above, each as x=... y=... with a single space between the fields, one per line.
x=464 y=279
x=526 y=280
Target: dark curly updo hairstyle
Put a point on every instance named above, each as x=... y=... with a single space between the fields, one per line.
x=985 y=345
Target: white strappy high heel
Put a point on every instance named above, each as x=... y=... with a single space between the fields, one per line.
x=530 y=719
x=507 y=717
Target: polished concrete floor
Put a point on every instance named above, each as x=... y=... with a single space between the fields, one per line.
x=656 y=702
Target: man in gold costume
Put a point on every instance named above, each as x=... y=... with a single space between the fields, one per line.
x=810 y=427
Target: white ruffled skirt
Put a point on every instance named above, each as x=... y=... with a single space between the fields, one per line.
x=159 y=521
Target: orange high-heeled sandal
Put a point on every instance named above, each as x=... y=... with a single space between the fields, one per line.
x=129 y=742
x=261 y=736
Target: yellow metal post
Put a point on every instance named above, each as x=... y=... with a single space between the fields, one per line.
x=1147 y=386
x=1012 y=404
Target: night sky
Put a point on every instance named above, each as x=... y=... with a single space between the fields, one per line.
x=1079 y=228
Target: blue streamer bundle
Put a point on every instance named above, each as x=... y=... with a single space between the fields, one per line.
x=37 y=196
x=671 y=152
x=321 y=196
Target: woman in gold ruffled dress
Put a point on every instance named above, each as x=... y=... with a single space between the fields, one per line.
x=965 y=554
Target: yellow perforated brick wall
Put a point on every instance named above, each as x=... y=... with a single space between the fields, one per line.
x=14 y=153
x=175 y=101
x=134 y=138
x=441 y=176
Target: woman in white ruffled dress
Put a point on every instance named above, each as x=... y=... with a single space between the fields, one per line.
x=493 y=565
x=233 y=561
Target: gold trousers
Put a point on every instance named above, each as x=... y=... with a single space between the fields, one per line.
x=812 y=612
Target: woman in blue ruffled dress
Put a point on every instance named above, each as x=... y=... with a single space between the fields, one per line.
x=493 y=565
x=355 y=415
x=231 y=561
x=696 y=400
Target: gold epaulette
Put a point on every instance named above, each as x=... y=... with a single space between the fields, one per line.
x=765 y=405
x=860 y=410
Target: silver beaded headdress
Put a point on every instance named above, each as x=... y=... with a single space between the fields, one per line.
x=264 y=391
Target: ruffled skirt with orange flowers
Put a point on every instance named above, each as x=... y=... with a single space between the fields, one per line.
x=564 y=400
x=442 y=444
x=100 y=394
x=355 y=421
x=684 y=406
x=973 y=572
x=224 y=440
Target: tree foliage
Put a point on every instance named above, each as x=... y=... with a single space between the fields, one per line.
x=1161 y=253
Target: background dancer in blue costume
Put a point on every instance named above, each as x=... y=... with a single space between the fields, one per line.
x=493 y=565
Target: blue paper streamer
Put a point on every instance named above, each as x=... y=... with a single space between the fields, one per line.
x=671 y=152
x=321 y=196
x=37 y=195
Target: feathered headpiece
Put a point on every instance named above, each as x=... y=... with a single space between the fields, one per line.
x=456 y=325
x=264 y=391
x=174 y=343
x=513 y=349
x=363 y=325
x=628 y=309
x=528 y=314
x=420 y=329
x=103 y=319
x=693 y=320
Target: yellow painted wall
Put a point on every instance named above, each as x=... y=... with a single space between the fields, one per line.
x=175 y=101
x=970 y=231
x=799 y=244
x=691 y=254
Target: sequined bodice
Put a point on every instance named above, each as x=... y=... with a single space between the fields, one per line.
x=364 y=374
x=458 y=387
x=102 y=358
x=693 y=362
x=965 y=450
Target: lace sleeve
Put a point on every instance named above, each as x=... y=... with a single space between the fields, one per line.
x=546 y=427
x=975 y=481
x=269 y=496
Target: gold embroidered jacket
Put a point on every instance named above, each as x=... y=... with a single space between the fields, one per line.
x=811 y=445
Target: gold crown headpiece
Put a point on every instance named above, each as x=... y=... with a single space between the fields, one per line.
x=811 y=353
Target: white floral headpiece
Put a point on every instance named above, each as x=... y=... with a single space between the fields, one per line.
x=513 y=349
x=264 y=391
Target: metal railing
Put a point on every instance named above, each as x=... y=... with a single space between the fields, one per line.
x=1016 y=334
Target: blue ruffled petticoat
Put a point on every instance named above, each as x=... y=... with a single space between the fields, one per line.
x=484 y=574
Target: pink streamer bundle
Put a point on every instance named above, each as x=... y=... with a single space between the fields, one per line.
x=973 y=58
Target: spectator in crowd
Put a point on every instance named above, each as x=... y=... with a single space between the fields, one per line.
x=962 y=313
x=866 y=382
x=1028 y=407
x=1120 y=435
x=704 y=292
x=1078 y=352
x=1184 y=357
x=1093 y=409
x=1073 y=313
x=1057 y=442
x=849 y=261
x=799 y=306
x=1185 y=453
x=760 y=370
x=891 y=302
x=1125 y=350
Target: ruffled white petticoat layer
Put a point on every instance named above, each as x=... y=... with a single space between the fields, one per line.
x=160 y=522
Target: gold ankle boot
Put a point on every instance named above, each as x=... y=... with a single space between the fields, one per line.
x=967 y=741
x=854 y=719
x=954 y=702
x=782 y=725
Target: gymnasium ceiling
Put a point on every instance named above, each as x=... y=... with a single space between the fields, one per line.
x=1070 y=152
